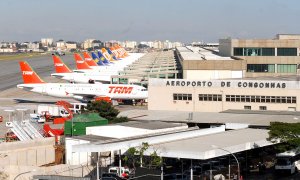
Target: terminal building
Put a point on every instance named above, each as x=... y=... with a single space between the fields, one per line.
x=205 y=63
x=221 y=95
x=163 y=64
x=265 y=57
x=240 y=75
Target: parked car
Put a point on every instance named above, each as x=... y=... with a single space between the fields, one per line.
x=110 y=176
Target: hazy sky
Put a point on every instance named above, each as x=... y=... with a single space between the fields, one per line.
x=175 y=20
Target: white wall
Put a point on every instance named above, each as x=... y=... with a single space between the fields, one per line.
x=76 y=158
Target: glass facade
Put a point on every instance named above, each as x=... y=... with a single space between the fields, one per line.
x=268 y=51
x=261 y=68
x=286 y=51
x=248 y=51
x=243 y=51
x=287 y=68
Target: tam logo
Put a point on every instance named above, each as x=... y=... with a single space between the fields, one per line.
x=120 y=89
x=80 y=62
x=88 y=59
x=59 y=64
x=27 y=72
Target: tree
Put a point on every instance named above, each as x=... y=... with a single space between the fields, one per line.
x=155 y=160
x=106 y=110
x=287 y=134
x=130 y=157
x=134 y=156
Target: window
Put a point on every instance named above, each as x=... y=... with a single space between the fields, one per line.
x=286 y=68
x=268 y=52
x=210 y=97
x=286 y=51
x=182 y=97
x=261 y=68
x=238 y=51
x=263 y=108
x=248 y=51
x=261 y=99
x=247 y=107
x=252 y=51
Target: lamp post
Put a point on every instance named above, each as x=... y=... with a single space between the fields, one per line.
x=214 y=146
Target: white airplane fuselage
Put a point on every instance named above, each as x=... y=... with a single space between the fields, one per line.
x=88 y=91
x=86 y=78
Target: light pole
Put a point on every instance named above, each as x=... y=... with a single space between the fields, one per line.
x=214 y=146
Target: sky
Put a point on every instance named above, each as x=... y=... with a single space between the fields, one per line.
x=147 y=20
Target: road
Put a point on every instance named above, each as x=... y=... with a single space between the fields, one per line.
x=10 y=74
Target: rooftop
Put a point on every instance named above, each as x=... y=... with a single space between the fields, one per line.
x=198 y=53
x=252 y=118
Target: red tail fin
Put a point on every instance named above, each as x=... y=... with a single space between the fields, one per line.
x=88 y=59
x=29 y=76
x=80 y=63
x=59 y=65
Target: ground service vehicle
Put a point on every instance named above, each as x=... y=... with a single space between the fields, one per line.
x=288 y=162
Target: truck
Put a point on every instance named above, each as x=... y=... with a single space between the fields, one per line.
x=52 y=110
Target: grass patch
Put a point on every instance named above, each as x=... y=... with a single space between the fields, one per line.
x=20 y=55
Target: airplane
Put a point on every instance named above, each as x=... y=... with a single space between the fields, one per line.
x=122 y=52
x=112 y=54
x=107 y=55
x=84 y=92
x=97 y=59
x=88 y=59
x=82 y=66
x=63 y=72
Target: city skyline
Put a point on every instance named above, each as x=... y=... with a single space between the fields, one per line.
x=184 y=21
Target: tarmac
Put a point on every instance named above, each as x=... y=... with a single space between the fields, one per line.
x=12 y=98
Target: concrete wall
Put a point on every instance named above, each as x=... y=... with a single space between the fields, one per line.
x=225 y=47
x=28 y=153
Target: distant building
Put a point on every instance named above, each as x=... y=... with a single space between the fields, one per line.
x=87 y=43
x=176 y=44
x=71 y=45
x=33 y=45
x=167 y=45
x=111 y=43
x=157 y=45
x=47 y=42
x=61 y=44
x=130 y=44
x=7 y=47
